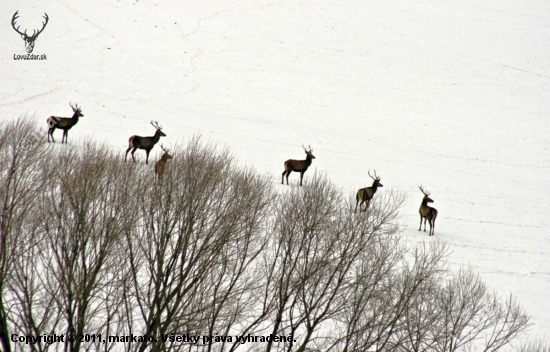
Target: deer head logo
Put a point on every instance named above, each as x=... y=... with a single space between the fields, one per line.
x=29 y=40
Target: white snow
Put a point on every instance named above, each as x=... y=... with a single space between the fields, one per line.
x=453 y=95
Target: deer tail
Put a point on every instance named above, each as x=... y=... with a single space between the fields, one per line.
x=51 y=121
x=131 y=142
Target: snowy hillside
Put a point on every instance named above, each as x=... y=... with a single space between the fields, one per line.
x=451 y=95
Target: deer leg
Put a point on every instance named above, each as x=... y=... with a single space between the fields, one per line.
x=133 y=151
x=433 y=227
x=50 y=133
x=287 y=174
x=147 y=156
x=126 y=155
x=65 y=135
x=301 y=177
x=283 y=178
x=425 y=219
x=420 y=227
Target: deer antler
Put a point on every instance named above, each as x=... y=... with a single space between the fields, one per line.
x=43 y=26
x=75 y=107
x=309 y=146
x=163 y=149
x=376 y=177
x=13 y=19
x=426 y=193
x=156 y=125
x=34 y=33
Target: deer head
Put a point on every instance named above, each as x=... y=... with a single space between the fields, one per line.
x=426 y=195
x=29 y=40
x=376 y=180
x=76 y=109
x=165 y=156
x=309 y=152
x=159 y=128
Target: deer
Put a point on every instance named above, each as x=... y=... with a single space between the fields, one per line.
x=427 y=212
x=147 y=143
x=29 y=40
x=298 y=165
x=64 y=123
x=161 y=164
x=366 y=194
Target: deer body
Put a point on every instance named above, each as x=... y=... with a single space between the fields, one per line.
x=147 y=143
x=63 y=123
x=366 y=194
x=300 y=166
x=427 y=213
x=161 y=164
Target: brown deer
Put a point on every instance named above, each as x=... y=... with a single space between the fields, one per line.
x=161 y=164
x=63 y=123
x=147 y=143
x=366 y=194
x=298 y=165
x=427 y=212
x=29 y=40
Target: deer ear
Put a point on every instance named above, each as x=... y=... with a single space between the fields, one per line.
x=23 y=36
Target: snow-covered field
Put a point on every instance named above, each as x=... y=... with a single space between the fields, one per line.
x=453 y=95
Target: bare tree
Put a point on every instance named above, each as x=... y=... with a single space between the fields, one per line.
x=193 y=253
x=538 y=345
x=468 y=312
x=318 y=244
x=20 y=153
x=382 y=306
x=85 y=209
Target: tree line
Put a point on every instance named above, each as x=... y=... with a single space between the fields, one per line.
x=90 y=244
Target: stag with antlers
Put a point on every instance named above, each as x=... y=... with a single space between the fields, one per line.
x=147 y=143
x=298 y=165
x=161 y=164
x=366 y=194
x=29 y=40
x=427 y=212
x=64 y=123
